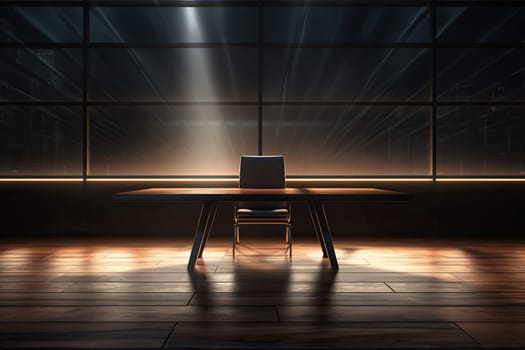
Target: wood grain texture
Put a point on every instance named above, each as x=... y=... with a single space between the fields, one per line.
x=84 y=335
x=124 y=294
x=318 y=336
x=497 y=335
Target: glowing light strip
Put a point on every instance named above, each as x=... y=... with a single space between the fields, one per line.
x=459 y=179
x=186 y=179
x=318 y=179
x=41 y=180
x=361 y=179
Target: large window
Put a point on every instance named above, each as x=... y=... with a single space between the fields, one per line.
x=383 y=88
x=480 y=90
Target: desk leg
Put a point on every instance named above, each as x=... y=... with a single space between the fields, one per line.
x=209 y=225
x=199 y=234
x=317 y=227
x=320 y=213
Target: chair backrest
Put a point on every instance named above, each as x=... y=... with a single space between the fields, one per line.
x=262 y=172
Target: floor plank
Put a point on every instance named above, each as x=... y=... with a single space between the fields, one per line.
x=317 y=336
x=402 y=313
x=137 y=314
x=93 y=298
x=362 y=299
x=497 y=335
x=84 y=335
x=457 y=287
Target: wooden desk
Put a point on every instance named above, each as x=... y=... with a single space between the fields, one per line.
x=315 y=197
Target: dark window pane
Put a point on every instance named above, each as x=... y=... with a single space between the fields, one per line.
x=340 y=24
x=174 y=24
x=481 y=141
x=355 y=140
x=343 y=74
x=156 y=2
x=481 y=74
x=218 y=74
x=40 y=141
x=40 y=24
x=164 y=140
x=479 y=24
x=40 y=74
x=473 y=2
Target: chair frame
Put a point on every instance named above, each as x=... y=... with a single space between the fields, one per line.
x=286 y=223
x=261 y=220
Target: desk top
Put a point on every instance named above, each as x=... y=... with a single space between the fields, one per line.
x=343 y=194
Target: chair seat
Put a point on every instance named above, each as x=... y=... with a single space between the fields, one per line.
x=246 y=213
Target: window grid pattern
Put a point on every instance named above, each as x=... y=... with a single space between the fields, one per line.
x=434 y=45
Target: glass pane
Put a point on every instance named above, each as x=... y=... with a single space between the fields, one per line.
x=353 y=140
x=479 y=24
x=502 y=2
x=174 y=24
x=40 y=141
x=40 y=24
x=360 y=2
x=156 y=2
x=40 y=74
x=488 y=140
x=168 y=140
x=346 y=74
x=481 y=74
x=340 y=24
x=218 y=74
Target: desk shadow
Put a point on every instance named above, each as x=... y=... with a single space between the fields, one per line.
x=240 y=308
x=202 y=288
x=261 y=282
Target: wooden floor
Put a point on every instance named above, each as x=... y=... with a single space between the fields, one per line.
x=129 y=294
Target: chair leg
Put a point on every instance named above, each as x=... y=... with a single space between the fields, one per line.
x=238 y=235
x=289 y=237
x=286 y=235
x=235 y=235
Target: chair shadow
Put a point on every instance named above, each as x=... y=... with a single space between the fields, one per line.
x=264 y=280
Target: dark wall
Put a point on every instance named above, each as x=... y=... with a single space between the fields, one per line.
x=438 y=210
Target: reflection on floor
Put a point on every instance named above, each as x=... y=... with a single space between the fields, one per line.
x=402 y=294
